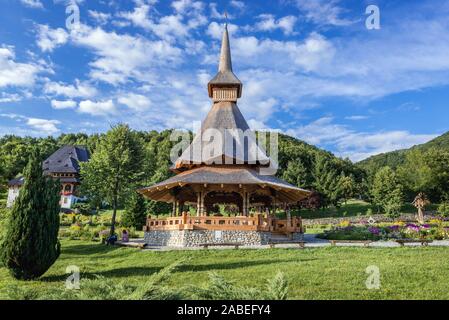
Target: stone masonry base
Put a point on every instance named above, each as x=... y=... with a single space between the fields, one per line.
x=194 y=238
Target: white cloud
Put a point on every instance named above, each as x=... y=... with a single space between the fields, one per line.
x=136 y=102
x=97 y=108
x=323 y=12
x=99 y=17
x=311 y=54
x=47 y=127
x=356 y=118
x=356 y=145
x=182 y=6
x=66 y=104
x=48 y=39
x=267 y=22
x=237 y=4
x=40 y=127
x=13 y=73
x=188 y=15
x=32 y=3
x=122 y=57
x=214 y=14
x=215 y=30
x=9 y=97
x=79 y=90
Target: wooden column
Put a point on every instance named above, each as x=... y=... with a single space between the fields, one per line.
x=175 y=205
x=198 y=204
x=200 y=210
x=180 y=207
x=289 y=216
x=245 y=203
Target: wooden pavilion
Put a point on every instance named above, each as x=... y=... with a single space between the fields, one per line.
x=230 y=174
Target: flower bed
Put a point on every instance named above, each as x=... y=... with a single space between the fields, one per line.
x=434 y=230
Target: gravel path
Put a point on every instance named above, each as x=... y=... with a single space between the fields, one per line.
x=311 y=242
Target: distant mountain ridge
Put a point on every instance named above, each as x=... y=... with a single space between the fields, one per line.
x=395 y=158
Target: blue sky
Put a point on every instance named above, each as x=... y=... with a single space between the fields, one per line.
x=309 y=68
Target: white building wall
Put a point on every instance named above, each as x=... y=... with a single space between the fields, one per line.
x=67 y=201
x=13 y=193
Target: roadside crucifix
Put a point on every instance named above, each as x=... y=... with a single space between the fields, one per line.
x=420 y=202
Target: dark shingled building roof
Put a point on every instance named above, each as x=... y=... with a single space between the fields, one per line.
x=16 y=182
x=66 y=160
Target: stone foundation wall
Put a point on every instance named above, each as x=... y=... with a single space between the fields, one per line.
x=193 y=238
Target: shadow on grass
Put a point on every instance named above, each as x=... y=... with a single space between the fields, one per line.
x=237 y=265
x=112 y=273
x=148 y=271
x=86 y=249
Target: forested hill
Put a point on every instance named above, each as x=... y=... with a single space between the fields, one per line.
x=301 y=164
x=395 y=159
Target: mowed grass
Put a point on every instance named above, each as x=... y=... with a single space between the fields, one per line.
x=320 y=273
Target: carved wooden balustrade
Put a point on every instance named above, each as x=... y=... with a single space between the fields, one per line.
x=241 y=223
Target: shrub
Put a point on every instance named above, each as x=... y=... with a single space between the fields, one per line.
x=82 y=208
x=443 y=209
x=135 y=213
x=218 y=288
x=392 y=209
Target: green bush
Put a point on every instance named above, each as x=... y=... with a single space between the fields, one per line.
x=443 y=209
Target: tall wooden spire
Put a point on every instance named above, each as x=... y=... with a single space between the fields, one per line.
x=225 y=86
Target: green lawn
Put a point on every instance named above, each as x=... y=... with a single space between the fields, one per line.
x=321 y=273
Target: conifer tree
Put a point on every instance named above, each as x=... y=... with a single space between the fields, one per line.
x=31 y=245
x=135 y=213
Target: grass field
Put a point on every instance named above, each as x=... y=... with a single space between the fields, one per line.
x=321 y=273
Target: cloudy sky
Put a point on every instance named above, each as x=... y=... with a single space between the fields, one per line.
x=309 y=68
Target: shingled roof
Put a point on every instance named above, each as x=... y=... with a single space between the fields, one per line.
x=226 y=118
x=225 y=176
x=16 y=181
x=66 y=160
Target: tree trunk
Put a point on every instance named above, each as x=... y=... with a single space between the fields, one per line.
x=114 y=210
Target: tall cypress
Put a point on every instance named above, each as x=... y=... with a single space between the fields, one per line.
x=31 y=243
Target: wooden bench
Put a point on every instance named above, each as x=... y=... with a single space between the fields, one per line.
x=139 y=245
x=300 y=243
x=207 y=245
x=423 y=242
x=365 y=243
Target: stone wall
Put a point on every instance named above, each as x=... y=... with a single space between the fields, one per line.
x=363 y=219
x=193 y=238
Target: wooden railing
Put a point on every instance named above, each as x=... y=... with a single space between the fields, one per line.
x=242 y=223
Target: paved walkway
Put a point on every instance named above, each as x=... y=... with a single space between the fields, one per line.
x=311 y=242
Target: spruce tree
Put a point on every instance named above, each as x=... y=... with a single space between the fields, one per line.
x=114 y=168
x=31 y=243
x=135 y=213
x=387 y=192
